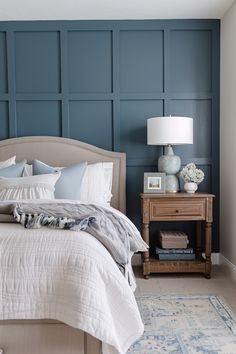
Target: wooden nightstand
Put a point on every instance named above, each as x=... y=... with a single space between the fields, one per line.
x=178 y=207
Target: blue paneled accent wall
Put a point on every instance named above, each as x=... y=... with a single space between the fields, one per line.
x=99 y=81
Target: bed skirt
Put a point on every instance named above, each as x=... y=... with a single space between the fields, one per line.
x=45 y=337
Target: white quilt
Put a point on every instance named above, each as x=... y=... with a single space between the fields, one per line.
x=67 y=276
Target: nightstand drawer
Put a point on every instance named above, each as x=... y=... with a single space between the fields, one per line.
x=185 y=210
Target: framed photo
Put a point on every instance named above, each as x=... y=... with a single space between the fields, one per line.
x=154 y=182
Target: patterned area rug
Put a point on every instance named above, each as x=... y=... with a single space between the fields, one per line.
x=186 y=325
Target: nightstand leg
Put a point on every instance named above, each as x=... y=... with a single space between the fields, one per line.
x=198 y=240
x=146 y=262
x=208 y=249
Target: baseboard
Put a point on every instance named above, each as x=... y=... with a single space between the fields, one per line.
x=137 y=260
x=230 y=266
x=215 y=258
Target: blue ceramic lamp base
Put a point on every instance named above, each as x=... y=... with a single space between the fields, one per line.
x=170 y=164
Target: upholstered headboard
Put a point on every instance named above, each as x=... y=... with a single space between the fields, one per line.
x=63 y=152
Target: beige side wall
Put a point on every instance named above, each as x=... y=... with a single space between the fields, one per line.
x=228 y=136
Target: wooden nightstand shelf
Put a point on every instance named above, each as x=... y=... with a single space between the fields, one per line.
x=178 y=207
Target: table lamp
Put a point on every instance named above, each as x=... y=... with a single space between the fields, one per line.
x=170 y=131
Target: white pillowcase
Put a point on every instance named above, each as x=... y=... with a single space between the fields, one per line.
x=7 y=163
x=108 y=174
x=28 y=171
x=30 y=187
x=96 y=184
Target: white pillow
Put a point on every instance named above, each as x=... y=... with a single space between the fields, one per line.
x=97 y=183
x=30 y=187
x=108 y=173
x=8 y=162
x=28 y=171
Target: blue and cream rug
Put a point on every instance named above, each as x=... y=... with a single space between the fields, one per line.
x=186 y=325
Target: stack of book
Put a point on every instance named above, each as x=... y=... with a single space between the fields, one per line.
x=173 y=245
x=175 y=254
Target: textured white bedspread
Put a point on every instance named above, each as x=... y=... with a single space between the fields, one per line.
x=67 y=276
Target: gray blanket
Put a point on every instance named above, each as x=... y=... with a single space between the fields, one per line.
x=115 y=232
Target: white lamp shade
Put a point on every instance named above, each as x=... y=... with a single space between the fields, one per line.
x=169 y=130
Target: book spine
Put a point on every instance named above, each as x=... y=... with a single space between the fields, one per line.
x=174 y=257
x=174 y=250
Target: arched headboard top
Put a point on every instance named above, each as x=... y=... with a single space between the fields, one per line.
x=58 y=151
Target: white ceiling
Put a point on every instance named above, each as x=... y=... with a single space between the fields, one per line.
x=111 y=9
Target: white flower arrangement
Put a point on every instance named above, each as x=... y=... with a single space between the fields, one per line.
x=190 y=173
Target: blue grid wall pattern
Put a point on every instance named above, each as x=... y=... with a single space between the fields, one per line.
x=99 y=81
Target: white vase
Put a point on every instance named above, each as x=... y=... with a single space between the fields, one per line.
x=190 y=187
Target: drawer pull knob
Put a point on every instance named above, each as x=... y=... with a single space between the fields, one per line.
x=176 y=210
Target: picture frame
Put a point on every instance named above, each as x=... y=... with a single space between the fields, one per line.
x=154 y=182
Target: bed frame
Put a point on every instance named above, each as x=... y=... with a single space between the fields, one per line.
x=49 y=336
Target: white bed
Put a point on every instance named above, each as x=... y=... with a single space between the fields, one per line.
x=45 y=335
